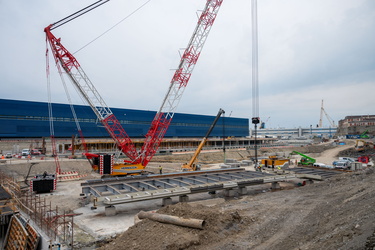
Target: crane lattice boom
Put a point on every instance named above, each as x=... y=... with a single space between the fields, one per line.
x=81 y=81
x=179 y=81
x=177 y=86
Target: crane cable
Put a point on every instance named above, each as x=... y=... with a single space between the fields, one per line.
x=255 y=88
x=105 y=32
x=77 y=14
x=50 y=114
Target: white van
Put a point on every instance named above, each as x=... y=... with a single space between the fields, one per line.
x=342 y=165
x=25 y=152
x=347 y=159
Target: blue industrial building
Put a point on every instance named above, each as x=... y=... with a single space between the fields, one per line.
x=26 y=119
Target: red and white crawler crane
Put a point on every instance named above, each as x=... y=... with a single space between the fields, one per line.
x=137 y=161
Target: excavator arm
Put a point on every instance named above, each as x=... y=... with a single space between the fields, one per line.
x=308 y=160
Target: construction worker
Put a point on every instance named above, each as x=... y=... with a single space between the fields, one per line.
x=160 y=169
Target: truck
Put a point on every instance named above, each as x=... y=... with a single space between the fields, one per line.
x=25 y=152
x=305 y=160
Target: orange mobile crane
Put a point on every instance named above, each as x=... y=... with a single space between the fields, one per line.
x=138 y=160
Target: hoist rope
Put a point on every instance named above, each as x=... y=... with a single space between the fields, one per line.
x=77 y=14
x=105 y=32
x=50 y=115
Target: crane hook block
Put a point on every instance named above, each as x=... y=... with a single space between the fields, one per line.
x=255 y=120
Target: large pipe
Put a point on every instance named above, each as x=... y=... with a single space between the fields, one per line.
x=193 y=223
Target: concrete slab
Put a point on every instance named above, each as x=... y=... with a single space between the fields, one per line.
x=98 y=225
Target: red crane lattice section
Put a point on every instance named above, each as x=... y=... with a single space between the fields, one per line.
x=179 y=81
x=91 y=95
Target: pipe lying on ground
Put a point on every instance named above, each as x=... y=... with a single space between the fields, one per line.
x=193 y=223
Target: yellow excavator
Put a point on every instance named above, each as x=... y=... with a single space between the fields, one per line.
x=192 y=166
x=362 y=145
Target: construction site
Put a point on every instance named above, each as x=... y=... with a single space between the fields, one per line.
x=138 y=187
x=224 y=205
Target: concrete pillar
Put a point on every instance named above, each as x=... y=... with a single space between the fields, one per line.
x=110 y=210
x=213 y=194
x=275 y=185
x=242 y=190
x=184 y=198
x=84 y=201
x=229 y=193
x=166 y=201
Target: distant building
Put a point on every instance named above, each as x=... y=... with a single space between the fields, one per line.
x=356 y=125
x=25 y=119
x=292 y=133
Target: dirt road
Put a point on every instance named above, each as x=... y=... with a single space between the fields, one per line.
x=330 y=155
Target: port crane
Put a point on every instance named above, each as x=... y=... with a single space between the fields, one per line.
x=322 y=111
x=137 y=160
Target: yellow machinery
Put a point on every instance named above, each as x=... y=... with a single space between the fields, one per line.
x=192 y=166
x=274 y=161
x=362 y=145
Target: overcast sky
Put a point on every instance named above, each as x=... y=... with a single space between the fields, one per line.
x=309 y=51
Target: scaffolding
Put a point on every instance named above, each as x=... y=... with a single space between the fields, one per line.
x=56 y=225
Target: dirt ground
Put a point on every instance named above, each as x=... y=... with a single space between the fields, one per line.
x=335 y=214
x=338 y=213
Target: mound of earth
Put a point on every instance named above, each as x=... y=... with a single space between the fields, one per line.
x=350 y=152
x=149 y=234
x=338 y=213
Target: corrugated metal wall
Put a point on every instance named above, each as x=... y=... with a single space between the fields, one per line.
x=27 y=119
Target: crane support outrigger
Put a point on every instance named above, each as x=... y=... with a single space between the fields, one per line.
x=192 y=166
x=137 y=161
